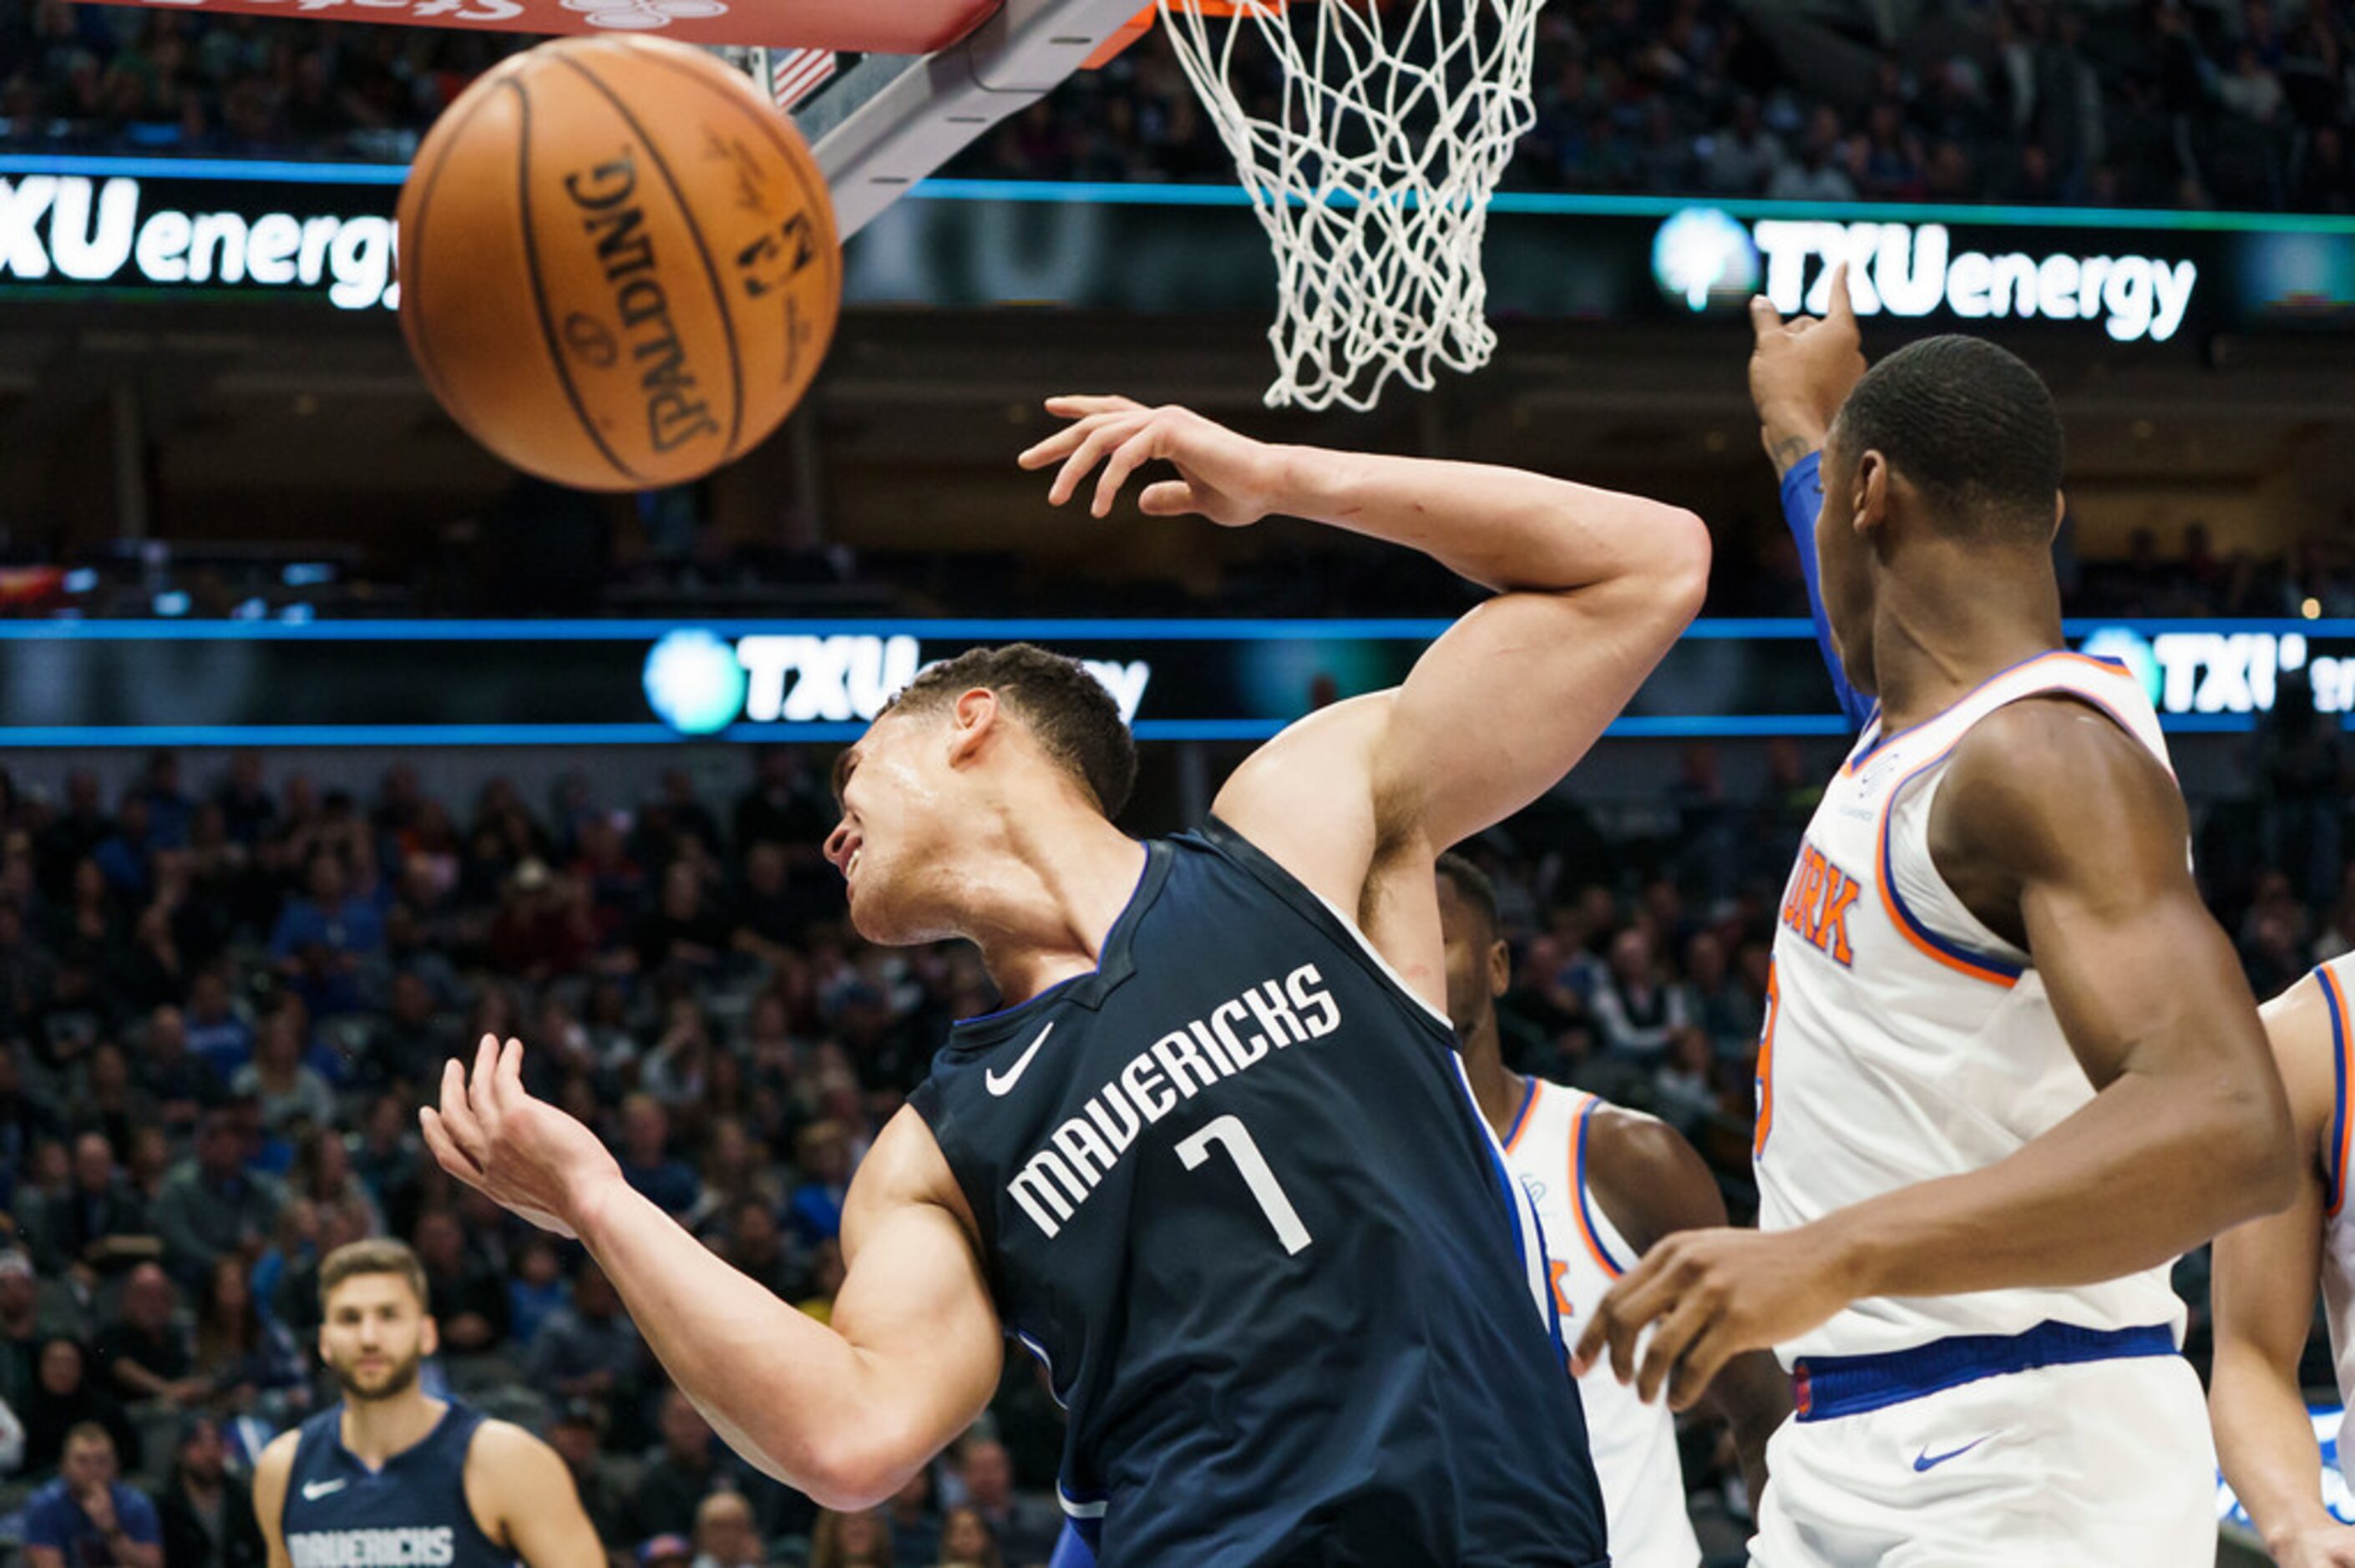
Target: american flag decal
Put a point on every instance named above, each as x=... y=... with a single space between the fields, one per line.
x=795 y=74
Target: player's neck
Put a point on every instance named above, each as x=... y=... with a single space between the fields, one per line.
x=374 y=1430
x=1040 y=898
x=1496 y=1089
x=1938 y=634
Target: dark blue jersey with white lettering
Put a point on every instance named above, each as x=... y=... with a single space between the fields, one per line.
x=412 y=1513
x=1234 y=1193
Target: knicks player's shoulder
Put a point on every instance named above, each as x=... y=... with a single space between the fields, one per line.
x=1650 y=1180
x=2045 y=771
x=2303 y=1025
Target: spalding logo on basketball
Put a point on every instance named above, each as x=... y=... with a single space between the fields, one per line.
x=619 y=262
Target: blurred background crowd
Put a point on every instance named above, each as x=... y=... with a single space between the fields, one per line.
x=223 y=995
x=2236 y=103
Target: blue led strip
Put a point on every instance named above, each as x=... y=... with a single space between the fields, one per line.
x=1540 y=204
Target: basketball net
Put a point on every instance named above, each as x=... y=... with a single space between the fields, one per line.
x=1370 y=161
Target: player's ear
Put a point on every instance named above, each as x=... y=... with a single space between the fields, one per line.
x=972 y=719
x=1501 y=967
x=2059 y=514
x=1871 y=508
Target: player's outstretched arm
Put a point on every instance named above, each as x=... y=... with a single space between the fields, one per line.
x=270 y=1473
x=528 y=1496
x=2265 y=1274
x=844 y=1413
x=2052 y=813
x=1801 y=371
x=1593 y=586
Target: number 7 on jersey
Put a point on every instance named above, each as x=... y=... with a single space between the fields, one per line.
x=1236 y=1137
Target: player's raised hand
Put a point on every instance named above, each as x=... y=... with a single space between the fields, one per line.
x=1706 y=1296
x=524 y=1153
x=1222 y=476
x=1802 y=370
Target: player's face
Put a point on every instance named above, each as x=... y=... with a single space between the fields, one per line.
x=1476 y=967
x=899 y=789
x=375 y=1336
x=1843 y=568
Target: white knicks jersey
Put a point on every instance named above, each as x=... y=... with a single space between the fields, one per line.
x=1905 y=1040
x=1634 y=1443
x=2336 y=979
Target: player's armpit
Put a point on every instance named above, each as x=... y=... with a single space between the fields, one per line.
x=2266 y=1272
x=270 y=1474
x=518 y=1485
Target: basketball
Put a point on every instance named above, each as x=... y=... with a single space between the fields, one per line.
x=619 y=265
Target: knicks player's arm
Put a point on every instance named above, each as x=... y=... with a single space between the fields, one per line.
x=2265 y=1275
x=523 y=1498
x=270 y=1473
x=2066 y=838
x=1652 y=1185
x=1592 y=587
x=844 y=1414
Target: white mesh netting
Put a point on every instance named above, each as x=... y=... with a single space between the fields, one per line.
x=1371 y=135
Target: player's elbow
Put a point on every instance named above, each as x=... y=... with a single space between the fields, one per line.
x=1678 y=559
x=865 y=1468
x=2253 y=1148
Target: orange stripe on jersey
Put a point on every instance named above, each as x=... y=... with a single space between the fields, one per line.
x=1578 y=1192
x=1521 y=1119
x=2343 y=1039
x=2107 y=667
x=1925 y=941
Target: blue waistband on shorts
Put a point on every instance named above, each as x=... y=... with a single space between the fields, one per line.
x=1824 y=1388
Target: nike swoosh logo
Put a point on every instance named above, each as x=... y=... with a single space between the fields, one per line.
x=1005 y=1085
x=1926 y=1460
x=313 y=1491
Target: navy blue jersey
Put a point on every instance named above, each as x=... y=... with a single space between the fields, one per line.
x=1234 y=1193
x=341 y=1514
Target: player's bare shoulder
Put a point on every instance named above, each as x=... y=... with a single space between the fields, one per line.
x=904 y=1166
x=2302 y=1025
x=1649 y=1180
x=271 y=1470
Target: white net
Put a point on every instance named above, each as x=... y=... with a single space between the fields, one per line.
x=1371 y=135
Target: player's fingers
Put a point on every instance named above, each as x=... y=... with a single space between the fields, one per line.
x=1063 y=442
x=445 y=1150
x=1764 y=318
x=1644 y=1296
x=457 y=1116
x=1079 y=404
x=1105 y=432
x=1168 y=498
x=507 y=1088
x=480 y=1084
x=1842 y=310
x=1667 y=1347
x=1126 y=459
x=1703 y=1359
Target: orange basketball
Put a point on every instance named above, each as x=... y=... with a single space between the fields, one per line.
x=619 y=267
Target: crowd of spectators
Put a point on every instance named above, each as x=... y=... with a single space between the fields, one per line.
x=221 y=1000
x=2235 y=103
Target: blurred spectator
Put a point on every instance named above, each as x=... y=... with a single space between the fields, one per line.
x=292 y=1094
x=86 y=1514
x=210 y=1204
x=821 y=1151
x=645 y=1160
x=145 y=1353
x=915 y=1527
x=967 y=1541
x=1023 y=1528
x=861 y=1540
x=206 y=1511
x=62 y=1398
x=588 y=1348
x=725 y=1534
x=220 y=1035
x=100 y=1225
x=577 y=1436
x=248 y=1361
x=1637 y=1012
x=468 y=1299
x=678 y=1475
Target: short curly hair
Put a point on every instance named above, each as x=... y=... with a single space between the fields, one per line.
x=1074 y=717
